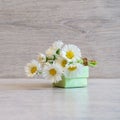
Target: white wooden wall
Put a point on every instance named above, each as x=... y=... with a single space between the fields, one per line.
x=30 y=26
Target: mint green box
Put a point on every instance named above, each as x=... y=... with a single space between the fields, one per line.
x=80 y=81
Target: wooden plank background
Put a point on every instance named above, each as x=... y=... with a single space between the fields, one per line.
x=30 y=26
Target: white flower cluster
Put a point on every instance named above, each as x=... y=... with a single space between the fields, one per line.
x=59 y=60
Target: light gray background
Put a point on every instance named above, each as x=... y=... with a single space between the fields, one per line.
x=30 y=26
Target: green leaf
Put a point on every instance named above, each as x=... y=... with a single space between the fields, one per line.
x=54 y=57
x=46 y=58
x=51 y=62
x=80 y=61
x=58 y=52
x=92 y=63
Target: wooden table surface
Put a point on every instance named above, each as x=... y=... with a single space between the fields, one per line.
x=28 y=99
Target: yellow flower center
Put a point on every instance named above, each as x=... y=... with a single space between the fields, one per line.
x=70 y=54
x=72 y=68
x=63 y=63
x=33 y=69
x=52 y=72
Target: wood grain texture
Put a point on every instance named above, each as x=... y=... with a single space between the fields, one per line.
x=22 y=99
x=30 y=26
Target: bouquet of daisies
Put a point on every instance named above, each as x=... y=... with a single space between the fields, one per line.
x=60 y=60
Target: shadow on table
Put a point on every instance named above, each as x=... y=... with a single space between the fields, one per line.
x=25 y=86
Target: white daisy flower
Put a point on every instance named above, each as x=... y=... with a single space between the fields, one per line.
x=73 y=70
x=54 y=48
x=62 y=62
x=71 y=52
x=41 y=58
x=50 y=51
x=58 y=44
x=32 y=68
x=53 y=72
